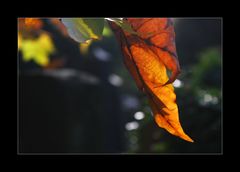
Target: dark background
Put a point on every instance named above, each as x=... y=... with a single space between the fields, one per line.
x=86 y=105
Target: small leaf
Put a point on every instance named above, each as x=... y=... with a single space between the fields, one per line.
x=33 y=23
x=123 y=24
x=107 y=31
x=38 y=49
x=83 y=29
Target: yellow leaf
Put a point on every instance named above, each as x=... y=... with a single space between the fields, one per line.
x=37 y=49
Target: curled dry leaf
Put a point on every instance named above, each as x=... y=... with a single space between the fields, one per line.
x=147 y=54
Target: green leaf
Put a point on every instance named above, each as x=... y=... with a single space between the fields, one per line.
x=123 y=24
x=83 y=29
x=107 y=32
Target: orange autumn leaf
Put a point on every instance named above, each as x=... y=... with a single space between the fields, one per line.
x=33 y=23
x=147 y=55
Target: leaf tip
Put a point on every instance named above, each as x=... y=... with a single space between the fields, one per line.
x=187 y=138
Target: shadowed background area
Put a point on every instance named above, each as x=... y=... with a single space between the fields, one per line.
x=85 y=101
